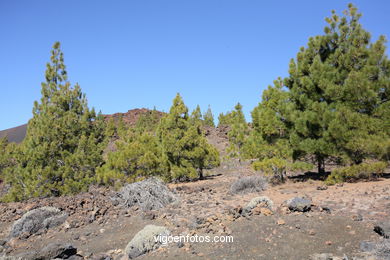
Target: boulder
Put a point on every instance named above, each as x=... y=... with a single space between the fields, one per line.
x=145 y=241
x=299 y=204
x=52 y=251
x=57 y=250
x=37 y=220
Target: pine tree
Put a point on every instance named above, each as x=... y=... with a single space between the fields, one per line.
x=269 y=128
x=198 y=151
x=64 y=140
x=225 y=119
x=339 y=85
x=238 y=130
x=148 y=121
x=138 y=155
x=196 y=116
x=208 y=117
x=185 y=146
x=202 y=154
x=111 y=130
x=269 y=140
x=8 y=154
x=4 y=156
x=121 y=127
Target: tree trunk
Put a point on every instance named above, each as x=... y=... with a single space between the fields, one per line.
x=321 y=165
x=201 y=177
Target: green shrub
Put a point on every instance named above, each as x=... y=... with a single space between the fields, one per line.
x=277 y=168
x=355 y=172
x=136 y=157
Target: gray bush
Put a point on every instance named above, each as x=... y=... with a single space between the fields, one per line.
x=145 y=241
x=149 y=194
x=249 y=184
x=38 y=220
x=263 y=201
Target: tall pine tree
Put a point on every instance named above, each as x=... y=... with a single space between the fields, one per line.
x=269 y=139
x=148 y=121
x=7 y=154
x=185 y=146
x=339 y=85
x=64 y=140
x=208 y=117
x=196 y=116
x=238 y=131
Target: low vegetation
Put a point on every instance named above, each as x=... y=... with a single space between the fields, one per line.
x=149 y=194
x=249 y=184
x=355 y=172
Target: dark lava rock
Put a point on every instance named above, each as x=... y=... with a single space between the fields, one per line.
x=52 y=251
x=299 y=204
x=383 y=229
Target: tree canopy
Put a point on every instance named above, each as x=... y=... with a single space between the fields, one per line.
x=187 y=150
x=333 y=105
x=63 y=145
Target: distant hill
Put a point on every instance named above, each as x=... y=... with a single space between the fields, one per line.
x=131 y=117
x=17 y=134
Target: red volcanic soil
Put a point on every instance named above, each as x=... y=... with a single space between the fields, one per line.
x=131 y=117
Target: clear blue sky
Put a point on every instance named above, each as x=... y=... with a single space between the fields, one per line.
x=132 y=54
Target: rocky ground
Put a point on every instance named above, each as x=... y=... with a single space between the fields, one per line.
x=336 y=220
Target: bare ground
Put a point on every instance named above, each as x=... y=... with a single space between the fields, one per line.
x=255 y=237
x=97 y=226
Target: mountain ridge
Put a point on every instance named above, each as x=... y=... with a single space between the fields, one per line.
x=16 y=134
